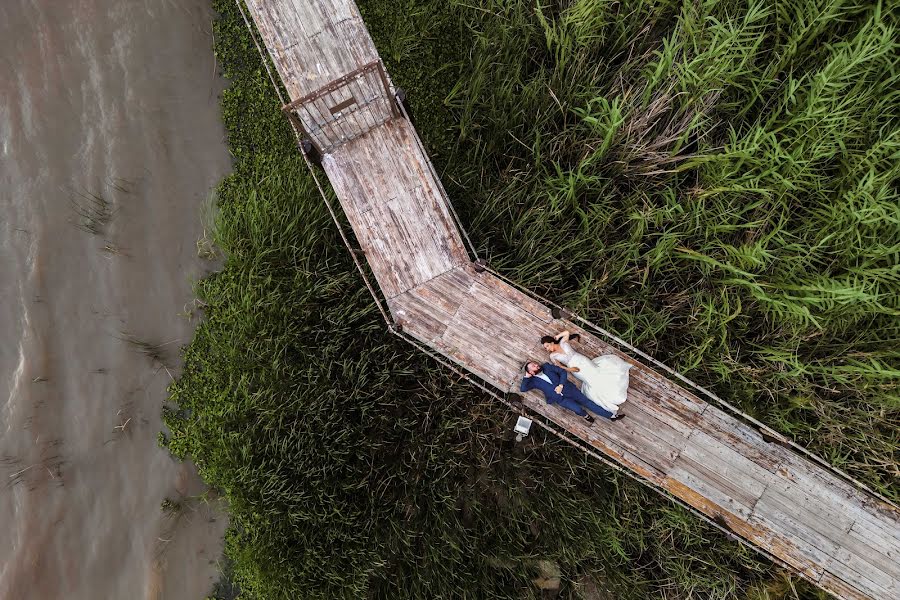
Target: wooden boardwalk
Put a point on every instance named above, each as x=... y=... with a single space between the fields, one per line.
x=842 y=538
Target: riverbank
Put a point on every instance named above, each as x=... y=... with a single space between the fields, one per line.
x=681 y=198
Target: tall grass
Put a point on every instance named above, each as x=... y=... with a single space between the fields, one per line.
x=716 y=181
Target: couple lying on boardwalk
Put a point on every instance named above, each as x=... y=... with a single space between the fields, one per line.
x=604 y=380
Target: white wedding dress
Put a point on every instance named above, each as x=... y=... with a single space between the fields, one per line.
x=603 y=380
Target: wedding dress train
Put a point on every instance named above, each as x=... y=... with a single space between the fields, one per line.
x=604 y=379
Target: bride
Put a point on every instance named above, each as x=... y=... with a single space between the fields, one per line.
x=604 y=379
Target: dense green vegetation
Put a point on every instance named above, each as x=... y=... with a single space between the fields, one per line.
x=715 y=181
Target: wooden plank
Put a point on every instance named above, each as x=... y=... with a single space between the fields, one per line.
x=775 y=512
x=652 y=445
x=311 y=44
x=514 y=296
x=435 y=303
x=841 y=588
x=833 y=510
x=708 y=469
x=745 y=440
x=883 y=535
x=396 y=222
x=683 y=417
x=445 y=293
x=415 y=318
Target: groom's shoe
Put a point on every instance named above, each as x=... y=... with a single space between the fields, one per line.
x=616 y=417
x=587 y=418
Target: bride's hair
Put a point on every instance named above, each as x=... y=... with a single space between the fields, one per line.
x=549 y=339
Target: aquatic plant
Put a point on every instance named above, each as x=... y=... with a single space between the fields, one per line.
x=156 y=352
x=92 y=211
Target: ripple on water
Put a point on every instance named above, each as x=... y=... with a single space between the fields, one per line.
x=113 y=108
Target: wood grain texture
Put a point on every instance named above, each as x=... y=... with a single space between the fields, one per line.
x=395 y=207
x=838 y=536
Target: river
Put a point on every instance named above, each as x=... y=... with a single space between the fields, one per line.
x=110 y=145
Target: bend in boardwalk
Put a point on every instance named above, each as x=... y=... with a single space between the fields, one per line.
x=843 y=539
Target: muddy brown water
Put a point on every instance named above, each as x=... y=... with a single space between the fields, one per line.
x=110 y=145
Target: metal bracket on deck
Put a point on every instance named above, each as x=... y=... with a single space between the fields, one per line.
x=560 y=313
x=773 y=437
x=403 y=104
x=310 y=150
x=516 y=400
x=341 y=110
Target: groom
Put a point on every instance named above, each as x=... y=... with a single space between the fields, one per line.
x=554 y=383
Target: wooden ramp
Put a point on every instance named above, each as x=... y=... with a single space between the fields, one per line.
x=803 y=515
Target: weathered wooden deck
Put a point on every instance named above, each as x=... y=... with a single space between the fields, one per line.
x=837 y=535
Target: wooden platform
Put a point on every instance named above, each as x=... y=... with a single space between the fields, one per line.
x=395 y=207
x=840 y=537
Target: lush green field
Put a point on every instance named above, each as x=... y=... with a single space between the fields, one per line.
x=715 y=181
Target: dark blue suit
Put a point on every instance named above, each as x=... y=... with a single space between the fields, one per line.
x=571 y=397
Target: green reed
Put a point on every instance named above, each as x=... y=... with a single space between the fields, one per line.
x=715 y=182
